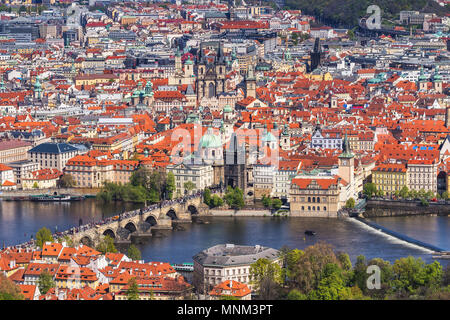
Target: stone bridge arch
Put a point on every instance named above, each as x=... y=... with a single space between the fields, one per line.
x=172 y=214
x=152 y=220
x=131 y=226
x=109 y=232
x=87 y=241
x=193 y=210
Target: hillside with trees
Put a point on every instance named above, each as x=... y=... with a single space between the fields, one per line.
x=346 y=13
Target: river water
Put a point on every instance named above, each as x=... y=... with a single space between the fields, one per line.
x=19 y=220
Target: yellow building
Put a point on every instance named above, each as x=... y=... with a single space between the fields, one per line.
x=75 y=278
x=93 y=79
x=316 y=196
x=317 y=76
x=390 y=177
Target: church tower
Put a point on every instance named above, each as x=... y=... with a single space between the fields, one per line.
x=211 y=74
x=37 y=89
x=178 y=65
x=437 y=81
x=346 y=163
x=285 y=142
x=447 y=117
x=250 y=83
x=189 y=68
x=236 y=164
x=423 y=81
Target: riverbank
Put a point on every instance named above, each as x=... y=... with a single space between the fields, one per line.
x=240 y=213
x=399 y=208
x=34 y=192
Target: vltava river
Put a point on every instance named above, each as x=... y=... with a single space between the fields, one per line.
x=18 y=220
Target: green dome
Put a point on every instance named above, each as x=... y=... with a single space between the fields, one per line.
x=136 y=93
x=268 y=137
x=189 y=61
x=422 y=76
x=437 y=76
x=192 y=118
x=210 y=140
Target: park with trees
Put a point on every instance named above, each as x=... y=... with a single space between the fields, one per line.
x=145 y=186
x=318 y=273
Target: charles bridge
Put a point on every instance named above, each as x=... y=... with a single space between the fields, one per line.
x=141 y=222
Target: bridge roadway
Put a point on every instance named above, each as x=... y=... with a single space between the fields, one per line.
x=140 y=221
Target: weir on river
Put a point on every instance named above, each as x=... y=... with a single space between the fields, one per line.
x=400 y=236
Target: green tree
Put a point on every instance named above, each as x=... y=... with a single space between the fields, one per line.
x=359 y=272
x=421 y=193
x=351 y=34
x=350 y=203
x=266 y=276
x=266 y=201
x=45 y=282
x=276 y=204
x=410 y=274
x=295 y=294
x=290 y=258
x=331 y=285
x=42 y=236
x=133 y=289
x=134 y=253
x=345 y=261
x=216 y=201
x=170 y=186
x=308 y=269
x=9 y=290
x=207 y=196
x=445 y=195
x=385 y=279
x=106 y=245
x=404 y=192
x=413 y=194
x=66 y=181
x=189 y=186
x=369 y=189
x=68 y=240
x=234 y=198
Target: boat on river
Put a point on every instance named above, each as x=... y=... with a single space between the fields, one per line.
x=55 y=197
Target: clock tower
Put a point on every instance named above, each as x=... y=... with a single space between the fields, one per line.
x=346 y=162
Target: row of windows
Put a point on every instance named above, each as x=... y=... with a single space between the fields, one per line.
x=227 y=272
x=314 y=208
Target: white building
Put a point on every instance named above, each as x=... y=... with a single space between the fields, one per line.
x=52 y=155
x=229 y=262
x=201 y=175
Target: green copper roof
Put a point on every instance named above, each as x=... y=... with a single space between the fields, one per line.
x=422 y=76
x=436 y=75
x=210 y=140
x=268 y=137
